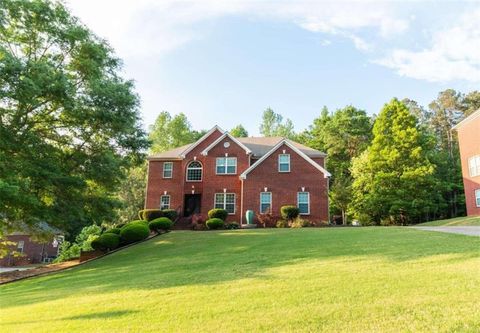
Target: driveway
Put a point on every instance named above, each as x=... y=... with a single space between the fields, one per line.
x=467 y=230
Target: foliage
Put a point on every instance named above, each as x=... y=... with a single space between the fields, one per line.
x=219 y=213
x=87 y=235
x=131 y=193
x=215 y=223
x=114 y=231
x=170 y=213
x=282 y=224
x=134 y=232
x=150 y=214
x=68 y=251
x=69 y=123
x=267 y=219
x=239 y=132
x=160 y=224
x=300 y=223
x=106 y=242
x=289 y=212
x=272 y=125
x=232 y=225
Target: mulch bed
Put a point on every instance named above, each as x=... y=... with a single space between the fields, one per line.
x=18 y=275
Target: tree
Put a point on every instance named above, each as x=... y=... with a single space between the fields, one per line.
x=131 y=194
x=69 y=124
x=239 y=132
x=272 y=125
x=171 y=132
x=394 y=178
x=471 y=102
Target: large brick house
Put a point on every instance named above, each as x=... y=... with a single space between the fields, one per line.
x=239 y=174
x=469 y=141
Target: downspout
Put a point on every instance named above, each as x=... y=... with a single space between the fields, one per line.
x=241 y=201
x=146 y=185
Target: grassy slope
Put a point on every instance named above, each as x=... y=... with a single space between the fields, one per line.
x=459 y=221
x=330 y=280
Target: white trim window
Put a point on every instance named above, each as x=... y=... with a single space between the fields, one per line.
x=477 y=197
x=167 y=169
x=165 y=202
x=284 y=163
x=20 y=246
x=474 y=166
x=194 y=171
x=265 y=202
x=226 y=166
x=303 y=202
x=225 y=201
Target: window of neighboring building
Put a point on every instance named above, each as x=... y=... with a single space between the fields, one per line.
x=225 y=201
x=474 y=166
x=20 y=246
x=226 y=165
x=477 y=197
x=265 y=202
x=167 y=169
x=284 y=163
x=165 y=202
x=194 y=171
x=303 y=202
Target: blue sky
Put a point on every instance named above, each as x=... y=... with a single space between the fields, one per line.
x=224 y=62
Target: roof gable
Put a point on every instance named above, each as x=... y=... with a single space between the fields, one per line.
x=225 y=135
x=203 y=138
x=471 y=117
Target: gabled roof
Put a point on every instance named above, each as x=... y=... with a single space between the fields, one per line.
x=295 y=149
x=471 y=117
x=262 y=145
x=226 y=134
x=189 y=149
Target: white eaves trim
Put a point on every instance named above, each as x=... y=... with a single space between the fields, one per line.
x=216 y=142
x=326 y=174
x=474 y=115
x=189 y=149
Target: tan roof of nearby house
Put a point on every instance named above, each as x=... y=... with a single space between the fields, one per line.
x=258 y=145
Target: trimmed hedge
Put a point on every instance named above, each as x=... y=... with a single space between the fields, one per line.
x=113 y=231
x=134 y=232
x=217 y=213
x=106 y=242
x=215 y=223
x=232 y=225
x=170 y=213
x=281 y=224
x=150 y=214
x=162 y=223
x=289 y=213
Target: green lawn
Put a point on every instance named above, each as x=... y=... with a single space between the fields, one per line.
x=330 y=279
x=459 y=221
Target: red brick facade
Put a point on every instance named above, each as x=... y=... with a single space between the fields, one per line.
x=304 y=175
x=469 y=141
x=33 y=252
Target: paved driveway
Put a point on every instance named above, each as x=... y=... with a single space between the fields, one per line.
x=470 y=231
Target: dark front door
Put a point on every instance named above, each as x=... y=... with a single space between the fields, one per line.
x=192 y=204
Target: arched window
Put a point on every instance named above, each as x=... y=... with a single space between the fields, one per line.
x=194 y=171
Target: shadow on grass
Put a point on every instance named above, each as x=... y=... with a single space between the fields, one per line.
x=184 y=258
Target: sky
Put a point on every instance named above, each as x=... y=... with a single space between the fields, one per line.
x=224 y=62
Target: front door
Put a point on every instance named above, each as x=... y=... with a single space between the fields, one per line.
x=192 y=204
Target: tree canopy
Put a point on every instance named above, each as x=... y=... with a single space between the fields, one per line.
x=273 y=125
x=239 y=131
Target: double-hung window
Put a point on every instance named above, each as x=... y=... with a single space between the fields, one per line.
x=167 y=169
x=303 y=202
x=225 y=201
x=226 y=165
x=477 y=197
x=165 y=202
x=474 y=166
x=284 y=163
x=20 y=246
x=265 y=202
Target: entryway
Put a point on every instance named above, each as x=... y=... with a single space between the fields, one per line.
x=192 y=204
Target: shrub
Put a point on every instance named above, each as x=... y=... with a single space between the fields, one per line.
x=300 y=223
x=170 y=213
x=217 y=213
x=150 y=214
x=115 y=230
x=67 y=251
x=232 y=225
x=136 y=222
x=134 y=232
x=266 y=219
x=282 y=224
x=215 y=223
x=106 y=242
x=289 y=213
x=162 y=223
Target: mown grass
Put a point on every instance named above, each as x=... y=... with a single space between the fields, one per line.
x=304 y=280
x=459 y=221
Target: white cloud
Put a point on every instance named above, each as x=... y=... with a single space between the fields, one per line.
x=454 y=54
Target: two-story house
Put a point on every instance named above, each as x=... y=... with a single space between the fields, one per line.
x=469 y=141
x=239 y=174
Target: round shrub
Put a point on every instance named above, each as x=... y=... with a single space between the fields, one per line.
x=214 y=223
x=160 y=224
x=134 y=232
x=170 y=213
x=150 y=214
x=217 y=213
x=289 y=212
x=115 y=230
x=282 y=224
x=232 y=225
x=106 y=242
x=136 y=222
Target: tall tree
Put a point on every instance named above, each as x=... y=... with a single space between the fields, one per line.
x=131 y=194
x=239 y=131
x=394 y=178
x=69 y=123
x=471 y=102
x=273 y=125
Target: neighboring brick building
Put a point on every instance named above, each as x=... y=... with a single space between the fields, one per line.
x=469 y=141
x=239 y=174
